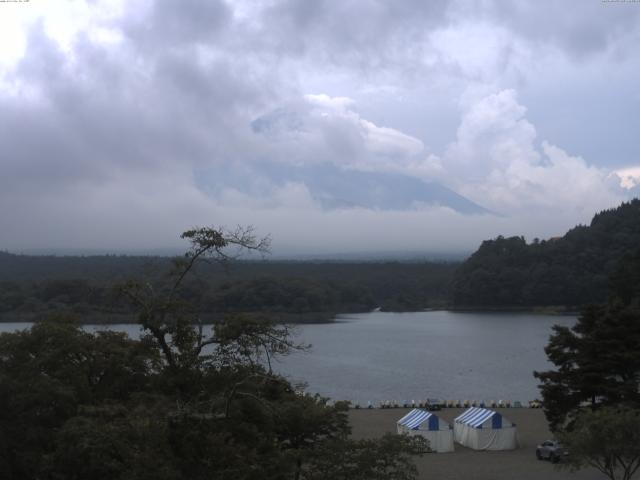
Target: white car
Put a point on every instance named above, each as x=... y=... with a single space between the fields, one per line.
x=551 y=450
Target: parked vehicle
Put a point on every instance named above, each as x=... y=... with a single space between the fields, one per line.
x=551 y=450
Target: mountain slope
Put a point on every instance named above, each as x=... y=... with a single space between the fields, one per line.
x=335 y=187
x=572 y=270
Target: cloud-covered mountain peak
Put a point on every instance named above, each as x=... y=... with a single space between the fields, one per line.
x=333 y=187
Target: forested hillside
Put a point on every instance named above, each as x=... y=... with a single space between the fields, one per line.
x=32 y=286
x=570 y=271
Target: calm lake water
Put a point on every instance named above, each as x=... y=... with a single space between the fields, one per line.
x=412 y=356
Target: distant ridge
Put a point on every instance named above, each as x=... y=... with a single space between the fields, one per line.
x=384 y=191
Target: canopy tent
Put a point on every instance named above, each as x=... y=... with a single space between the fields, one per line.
x=483 y=429
x=420 y=422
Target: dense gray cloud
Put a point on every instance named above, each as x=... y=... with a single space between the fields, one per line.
x=304 y=117
x=366 y=34
x=172 y=25
x=577 y=28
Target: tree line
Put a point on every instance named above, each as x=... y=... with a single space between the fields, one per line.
x=293 y=291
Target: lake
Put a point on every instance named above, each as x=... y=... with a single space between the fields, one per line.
x=413 y=356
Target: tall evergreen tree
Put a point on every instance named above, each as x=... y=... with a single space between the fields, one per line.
x=598 y=359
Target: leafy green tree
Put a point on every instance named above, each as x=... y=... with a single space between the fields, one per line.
x=115 y=442
x=183 y=402
x=625 y=281
x=48 y=373
x=389 y=458
x=607 y=439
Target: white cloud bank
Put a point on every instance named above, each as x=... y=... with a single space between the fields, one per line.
x=496 y=159
x=629 y=177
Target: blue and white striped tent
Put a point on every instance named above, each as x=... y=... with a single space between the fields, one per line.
x=438 y=432
x=484 y=429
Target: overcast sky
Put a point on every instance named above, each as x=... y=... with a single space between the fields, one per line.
x=123 y=123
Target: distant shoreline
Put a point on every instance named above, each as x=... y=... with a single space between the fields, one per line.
x=315 y=318
x=102 y=318
x=538 y=309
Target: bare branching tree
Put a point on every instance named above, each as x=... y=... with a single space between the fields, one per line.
x=176 y=325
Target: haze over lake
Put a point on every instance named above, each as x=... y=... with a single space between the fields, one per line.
x=412 y=356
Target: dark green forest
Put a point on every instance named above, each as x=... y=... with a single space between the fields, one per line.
x=33 y=286
x=569 y=271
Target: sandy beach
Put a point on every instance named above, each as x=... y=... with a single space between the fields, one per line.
x=464 y=463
